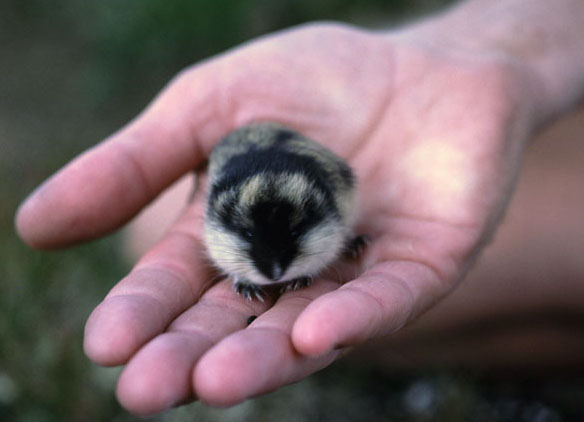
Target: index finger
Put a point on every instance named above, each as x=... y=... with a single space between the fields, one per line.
x=108 y=184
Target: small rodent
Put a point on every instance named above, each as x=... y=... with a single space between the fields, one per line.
x=279 y=208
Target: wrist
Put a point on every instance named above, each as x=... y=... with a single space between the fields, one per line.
x=539 y=42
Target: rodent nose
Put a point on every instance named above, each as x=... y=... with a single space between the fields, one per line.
x=272 y=261
x=271 y=270
x=276 y=272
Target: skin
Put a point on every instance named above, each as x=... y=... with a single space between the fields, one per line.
x=520 y=307
x=435 y=130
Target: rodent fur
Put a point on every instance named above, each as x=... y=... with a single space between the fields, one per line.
x=279 y=207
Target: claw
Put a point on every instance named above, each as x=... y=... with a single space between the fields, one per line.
x=258 y=294
x=355 y=247
x=296 y=284
x=248 y=290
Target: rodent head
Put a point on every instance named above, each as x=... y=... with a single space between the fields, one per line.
x=272 y=229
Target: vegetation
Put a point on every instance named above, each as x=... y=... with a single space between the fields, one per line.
x=72 y=72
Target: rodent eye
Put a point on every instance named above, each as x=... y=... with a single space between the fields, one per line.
x=247 y=234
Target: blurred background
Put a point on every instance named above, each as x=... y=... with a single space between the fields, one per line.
x=71 y=73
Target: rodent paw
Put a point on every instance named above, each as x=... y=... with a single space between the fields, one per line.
x=248 y=291
x=296 y=284
x=355 y=247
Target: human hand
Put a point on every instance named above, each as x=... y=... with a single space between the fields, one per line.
x=434 y=137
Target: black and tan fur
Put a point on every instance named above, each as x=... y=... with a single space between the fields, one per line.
x=279 y=208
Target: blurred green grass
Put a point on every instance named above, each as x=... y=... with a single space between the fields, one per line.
x=73 y=72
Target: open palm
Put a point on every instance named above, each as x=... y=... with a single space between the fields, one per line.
x=434 y=138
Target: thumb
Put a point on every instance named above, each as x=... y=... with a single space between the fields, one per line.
x=107 y=185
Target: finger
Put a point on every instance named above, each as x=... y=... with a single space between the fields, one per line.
x=107 y=185
x=166 y=281
x=159 y=376
x=379 y=302
x=260 y=358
